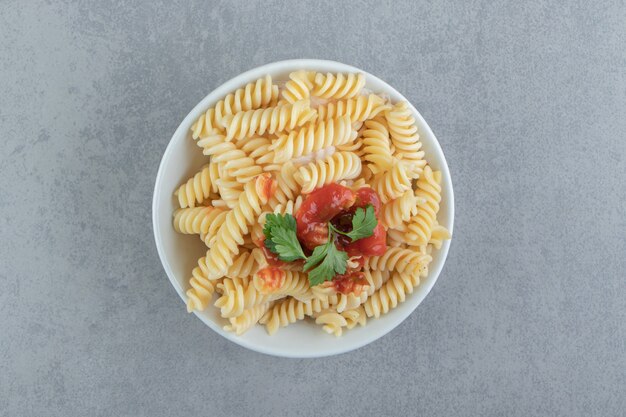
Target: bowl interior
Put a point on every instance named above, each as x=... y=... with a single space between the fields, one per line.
x=179 y=253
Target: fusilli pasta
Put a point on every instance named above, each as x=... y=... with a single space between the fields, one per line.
x=265 y=159
x=391 y=294
x=358 y=109
x=271 y=120
x=261 y=93
x=312 y=138
x=338 y=85
x=419 y=228
x=337 y=167
x=196 y=189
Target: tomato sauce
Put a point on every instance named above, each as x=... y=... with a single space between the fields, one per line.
x=272 y=277
x=318 y=209
x=352 y=282
x=337 y=204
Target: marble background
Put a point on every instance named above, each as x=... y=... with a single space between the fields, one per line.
x=528 y=100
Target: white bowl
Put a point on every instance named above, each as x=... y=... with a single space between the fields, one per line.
x=179 y=253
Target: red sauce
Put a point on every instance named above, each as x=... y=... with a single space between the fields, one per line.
x=352 y=282
x=337 y=204
x=265 y=186
x=365 y=196
x=318 y=209
x=374 y=245
x=272 y=277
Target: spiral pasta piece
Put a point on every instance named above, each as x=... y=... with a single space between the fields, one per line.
x=392 y=293
x=338 y=85
x=197 y=220
x=235 y=162
x=338 y=300
x=421 y=224
x=239 y=294
x=358 y=109
x=332 y=322
x=395 y=238
x=287 y=187
x=355 y=146
x=235 y=226
x=196 y=189
x=202 y=288
x=375 y=280
x=230 y=190
x=376 y=149
x=402 y=260
x=206 y=125
x=244 y=265
x=282 y=283
x=299 y=86
x=438 y=235
x=337 y=167
x=246 y=319
x=393 y=183
x=289 y=310
x=271 y=120
x=404 y=136
x=395 y=212
x=354 y=317
x=258 y=148
x=261 y=93
x=290 y=207
x=312 y=138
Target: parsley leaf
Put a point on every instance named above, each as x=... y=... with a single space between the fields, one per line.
x=281 y=238
x=319 y=253
x=334 y=262
x=363 y=224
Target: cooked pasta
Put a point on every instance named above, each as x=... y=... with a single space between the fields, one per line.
x=404 y=136
x=399 y=259
x=289 y=310
x=271 y=120
x=197 y=220
x=397 y=211
x=259 y=94
x=312 y=138
x=202 y=288
x=376 y=146
x=393 y=183
x=438 y=235
x=230 y=233
x=239 y=294
x=319 y=144
x=419 y=228
x=340 y=301
x=280 y=282
x=299 y=86
x=234 y=161
x=196 y=189
x=391 y=294
x=332 y=322
x=358 y=109
x=244 y=265
x=246 y=319
x=287 y=187
x=338 y=85
x=337 y=167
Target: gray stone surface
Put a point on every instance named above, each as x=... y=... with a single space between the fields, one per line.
x=528 y=100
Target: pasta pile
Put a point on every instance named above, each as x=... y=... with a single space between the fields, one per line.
x=267 y=148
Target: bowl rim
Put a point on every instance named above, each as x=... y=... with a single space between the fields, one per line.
x=228 y=87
